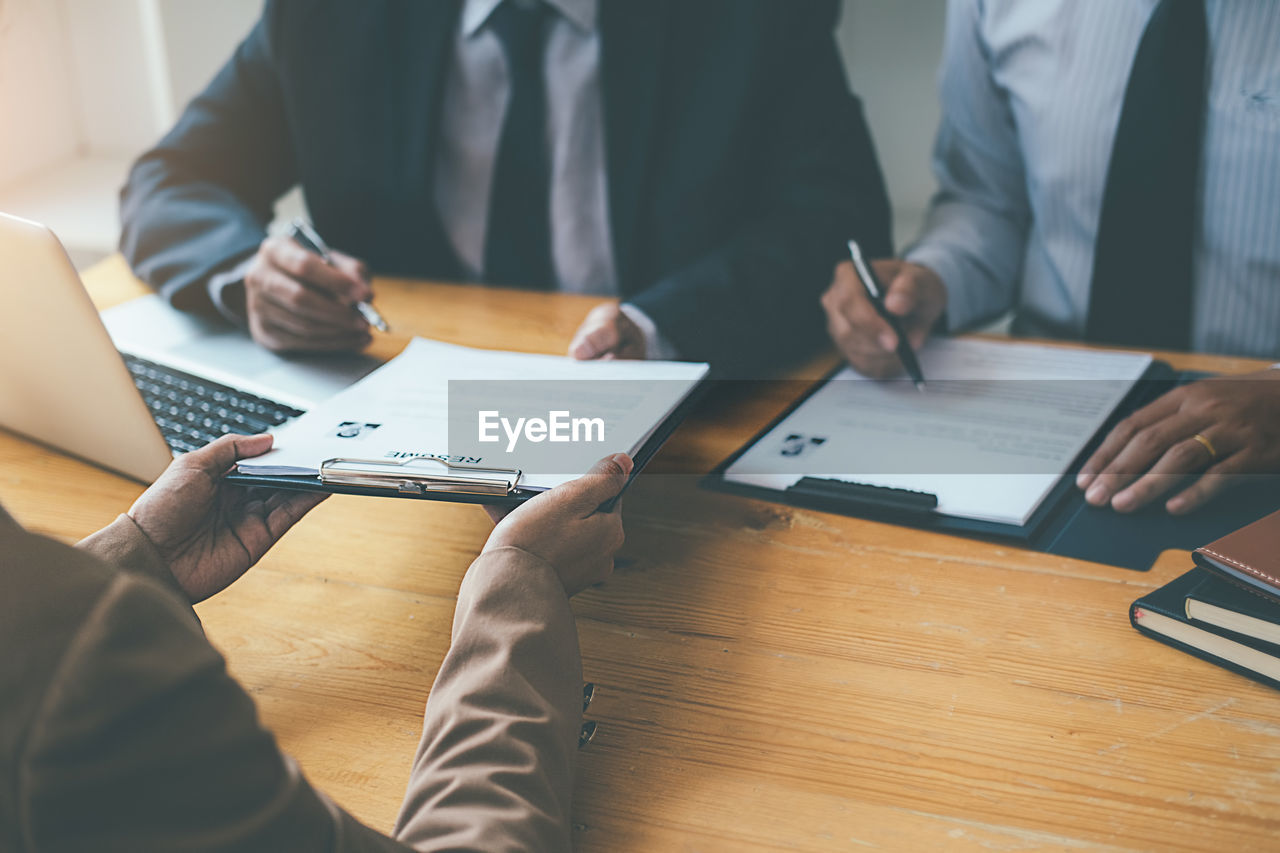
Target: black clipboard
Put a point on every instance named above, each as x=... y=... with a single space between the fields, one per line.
x=1064 y=524
x=488 y=492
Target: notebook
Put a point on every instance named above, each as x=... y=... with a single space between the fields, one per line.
x=1205 y=616
x=1248 y=557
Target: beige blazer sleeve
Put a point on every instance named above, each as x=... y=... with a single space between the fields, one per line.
x=136 y=738
x=494 y=771
x=143 y=742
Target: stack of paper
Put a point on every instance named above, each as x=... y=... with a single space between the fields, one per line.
x=995 y=429
x=402 y=411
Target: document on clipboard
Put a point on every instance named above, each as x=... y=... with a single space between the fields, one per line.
x=996 y=429
x=448 y=421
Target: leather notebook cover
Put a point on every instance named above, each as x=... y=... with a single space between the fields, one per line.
x=1250 y=557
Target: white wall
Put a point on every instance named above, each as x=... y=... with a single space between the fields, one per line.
x=116 y=74
x=158 y=53
x=85 y=86
x=199 y=36
x=38 y=122
x=892 y=49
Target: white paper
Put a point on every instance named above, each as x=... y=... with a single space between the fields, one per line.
x=401 y=410
x=990 y=447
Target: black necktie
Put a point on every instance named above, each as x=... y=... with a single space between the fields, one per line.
x=1142 y=269
x=517 y=249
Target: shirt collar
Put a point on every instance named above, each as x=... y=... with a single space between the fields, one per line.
x=581 y=13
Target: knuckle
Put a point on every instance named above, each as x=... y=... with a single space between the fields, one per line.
x=861 y=315
x=293 y=296
x=270 y=247
x=874 y=366
x=1152 y=441
x=271 y=341
x=1185 y=452
x=254 y=274
x=842 y=275
x=613 y=468
x=906 y=285
x=1214 y=408
x=293 y=260
x=1125 y=431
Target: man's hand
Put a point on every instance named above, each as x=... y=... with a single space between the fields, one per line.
x=607 y=333
x=563 y=528
x=298 y=303
x=210 y=533
x=915 y=294
x=1156 y=449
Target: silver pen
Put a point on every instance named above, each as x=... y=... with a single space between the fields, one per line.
x=306 y=236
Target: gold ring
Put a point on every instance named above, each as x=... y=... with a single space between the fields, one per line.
x=1206 y=444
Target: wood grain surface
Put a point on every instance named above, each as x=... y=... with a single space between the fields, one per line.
x=767 y=678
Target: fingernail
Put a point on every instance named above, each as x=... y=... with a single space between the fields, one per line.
x=1097 y=494
x=888 y=341
x=624 y=462
x=1083 y=479
x=1122 y=501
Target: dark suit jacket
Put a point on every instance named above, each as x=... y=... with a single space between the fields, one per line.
x=738 y=160
x=120 y=729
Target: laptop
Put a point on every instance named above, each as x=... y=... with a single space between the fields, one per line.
x=141 y=383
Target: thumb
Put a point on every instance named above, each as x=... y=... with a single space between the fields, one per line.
x=603 y=482
x=356 y=270
x=598 y=334
x=216 y=458
x=903 y=295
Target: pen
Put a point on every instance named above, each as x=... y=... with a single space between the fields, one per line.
x=306 y=236
x=876 y=290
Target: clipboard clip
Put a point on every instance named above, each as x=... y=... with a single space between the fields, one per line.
x=882 y=499
x=396 y=476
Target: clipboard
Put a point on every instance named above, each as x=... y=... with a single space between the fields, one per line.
x=417 y=478
x=1063 y=524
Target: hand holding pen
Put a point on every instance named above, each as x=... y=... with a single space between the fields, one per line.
x=879 y=335
x=302 y=233
x=300 y=300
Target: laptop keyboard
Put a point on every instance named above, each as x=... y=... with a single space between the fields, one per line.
x=191 y=411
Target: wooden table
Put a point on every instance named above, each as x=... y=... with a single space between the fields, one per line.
x=767 y=677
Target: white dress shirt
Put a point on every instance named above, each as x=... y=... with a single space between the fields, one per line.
x=474 y=105
x=1031 y=98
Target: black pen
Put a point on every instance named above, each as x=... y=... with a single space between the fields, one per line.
x=304 y=235
x=875 y=290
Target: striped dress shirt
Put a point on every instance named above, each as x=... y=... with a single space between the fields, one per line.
x=1031 y=98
